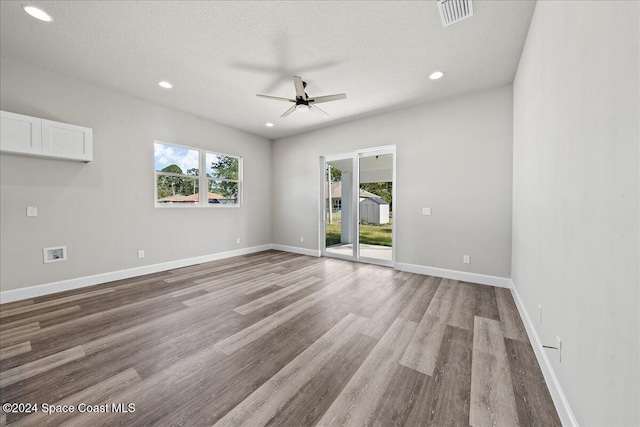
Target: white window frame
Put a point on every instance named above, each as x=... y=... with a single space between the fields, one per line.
x=203 y=180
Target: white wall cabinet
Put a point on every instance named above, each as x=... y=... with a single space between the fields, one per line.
x=20 y=134
x=31 y=136
x=67 y=141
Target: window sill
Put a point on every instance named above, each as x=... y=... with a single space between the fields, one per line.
x=209 y=206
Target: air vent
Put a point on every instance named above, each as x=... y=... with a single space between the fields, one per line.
x=454 y=10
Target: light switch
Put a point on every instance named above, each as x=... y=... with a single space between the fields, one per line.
x=32 y=211
x=426 y=211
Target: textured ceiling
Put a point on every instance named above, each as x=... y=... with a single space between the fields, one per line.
x=219 y=54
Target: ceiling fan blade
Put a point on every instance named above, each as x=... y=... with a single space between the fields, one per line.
x=289 y=111
x=318 y=110
x=297 y=81
x=328 y=98
x=277 y=98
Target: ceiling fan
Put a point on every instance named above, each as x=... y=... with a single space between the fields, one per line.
x=303 y=102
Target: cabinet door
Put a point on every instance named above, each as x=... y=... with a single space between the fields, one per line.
x=67 y=141
x=20 y=134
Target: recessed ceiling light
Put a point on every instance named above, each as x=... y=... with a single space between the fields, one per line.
x=165 y=84
x=37 y=13
x=436 y=75
x=269 y=125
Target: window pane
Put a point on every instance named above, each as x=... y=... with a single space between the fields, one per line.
x=220 y=166
x=177 y=190
x=168 y=158
x=223 y=192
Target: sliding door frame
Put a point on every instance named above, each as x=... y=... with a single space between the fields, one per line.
x=324 y=199
x=372 y=152
x=355 y=157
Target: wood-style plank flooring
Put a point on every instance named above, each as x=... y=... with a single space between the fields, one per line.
x=274 y=339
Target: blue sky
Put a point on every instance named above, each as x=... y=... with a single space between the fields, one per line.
x=166 y=155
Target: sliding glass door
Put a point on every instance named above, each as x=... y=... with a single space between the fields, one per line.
x=339 y=230
x=357 y=205
x=375 y=207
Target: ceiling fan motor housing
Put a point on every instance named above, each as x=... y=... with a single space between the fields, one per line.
x=300 y=100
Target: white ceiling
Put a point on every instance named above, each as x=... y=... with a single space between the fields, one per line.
x=219 y=54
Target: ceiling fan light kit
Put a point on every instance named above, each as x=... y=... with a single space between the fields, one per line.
x=303 y=102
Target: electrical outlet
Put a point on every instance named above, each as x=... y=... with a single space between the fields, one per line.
x=426 y=211
x=559 y=345
x=140 y=254
x=237 y=240
x=32 y=211
x=539 y=314
x=557 y=348
x=301 y=239
x=466 y=259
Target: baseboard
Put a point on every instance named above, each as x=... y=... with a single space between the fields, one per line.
x=81 y=282
x=559 y=399
x=296 y=250
x=483 y=279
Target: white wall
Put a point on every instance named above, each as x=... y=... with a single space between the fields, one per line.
x=575 y=203
x=103 y=211
x=454 y=156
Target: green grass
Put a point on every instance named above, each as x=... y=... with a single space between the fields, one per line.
x=375 y=234
x=369 y=234
x=333 y=234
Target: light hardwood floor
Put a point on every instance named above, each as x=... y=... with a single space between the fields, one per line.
x=275 y=339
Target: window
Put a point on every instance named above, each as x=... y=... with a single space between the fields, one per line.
x=178 y=179
x=223 y=173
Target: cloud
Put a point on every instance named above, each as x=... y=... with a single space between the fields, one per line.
x=166 y=155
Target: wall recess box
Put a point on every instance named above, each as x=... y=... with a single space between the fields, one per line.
x=55 y=254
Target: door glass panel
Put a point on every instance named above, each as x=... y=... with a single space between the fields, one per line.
x=376 y=207
x=338 y=207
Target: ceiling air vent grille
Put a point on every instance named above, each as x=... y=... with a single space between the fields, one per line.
x=454 y=10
